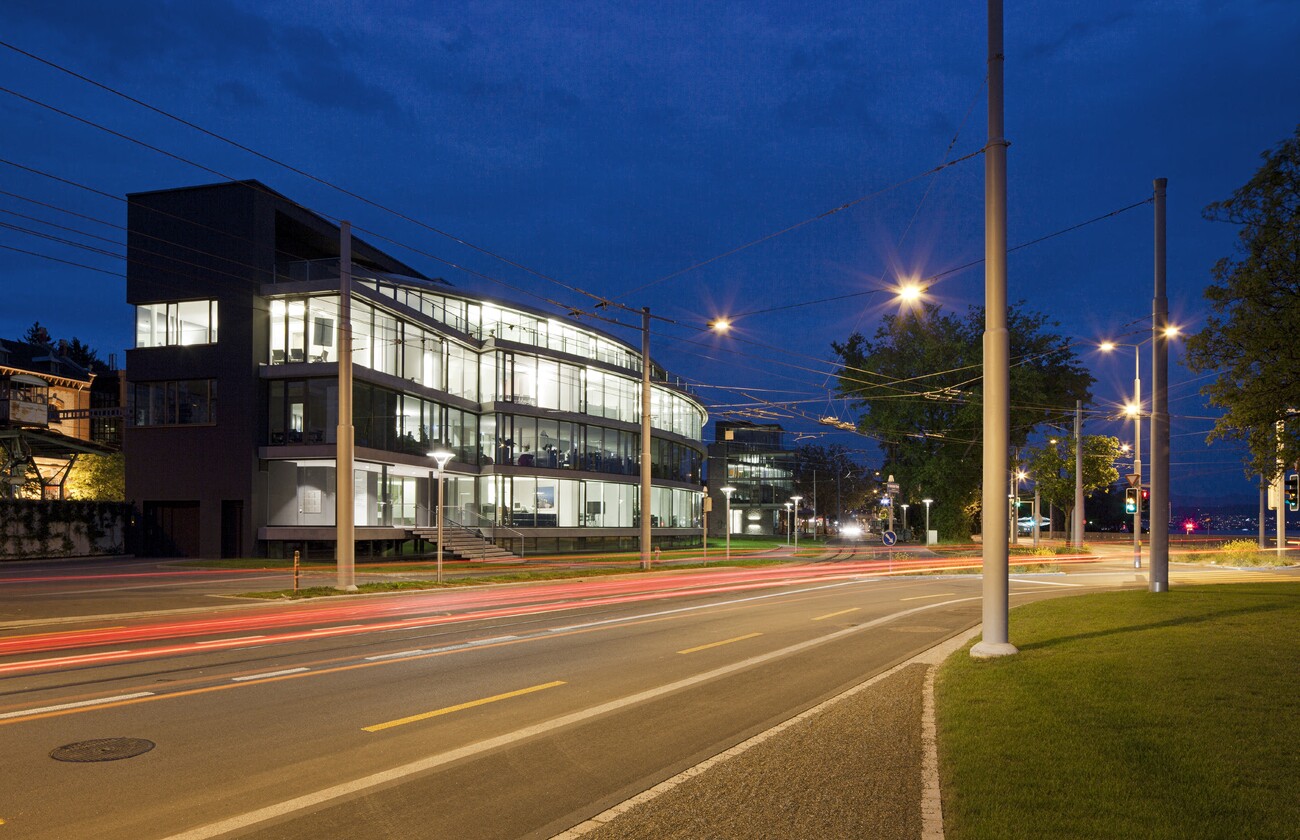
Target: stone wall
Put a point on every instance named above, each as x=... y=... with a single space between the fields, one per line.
x=32 y=530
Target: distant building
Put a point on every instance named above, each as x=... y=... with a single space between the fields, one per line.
x=46 y=417
x=233 y=396
x=751 y=458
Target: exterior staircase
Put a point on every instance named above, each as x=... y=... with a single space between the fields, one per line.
x=461 y=543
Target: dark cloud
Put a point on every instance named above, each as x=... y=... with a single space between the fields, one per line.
x=237 y=95
x=188 y=38
x=1076 y=34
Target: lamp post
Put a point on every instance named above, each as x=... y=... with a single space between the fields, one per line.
x=789 y=523
x=927 y=520
x=441 y=456
x=904 y=507
x=796 y=500
x=1134 y=410
x=727 y=491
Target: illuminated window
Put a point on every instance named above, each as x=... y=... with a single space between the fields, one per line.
x=176 y=324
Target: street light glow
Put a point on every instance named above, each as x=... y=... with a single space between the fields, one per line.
x=720 y=325
x=910 y=292
x=1131 y=410
x=1106 y=346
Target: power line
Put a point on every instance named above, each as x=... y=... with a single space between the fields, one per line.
x=824 y=214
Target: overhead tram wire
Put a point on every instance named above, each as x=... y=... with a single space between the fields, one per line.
x=358 y=197
x=122 y=200
x=322 y=181
x=824 y=214
x=269 y=274
x=916 y=213
x=933 y=277
x=600 y=300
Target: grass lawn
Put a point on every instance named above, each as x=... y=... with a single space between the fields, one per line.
x=1130 y=715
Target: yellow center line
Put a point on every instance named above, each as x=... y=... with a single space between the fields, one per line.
x=460 y=707
x=832 y=615
x=936 y=595
x=723 y=642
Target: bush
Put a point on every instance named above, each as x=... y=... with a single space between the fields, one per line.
x=1239 y=553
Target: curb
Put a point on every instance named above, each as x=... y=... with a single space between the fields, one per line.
x=931 y=806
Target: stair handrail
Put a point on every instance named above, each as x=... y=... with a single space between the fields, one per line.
x=487 y=524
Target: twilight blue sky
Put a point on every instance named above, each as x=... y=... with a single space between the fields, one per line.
x=609 y=145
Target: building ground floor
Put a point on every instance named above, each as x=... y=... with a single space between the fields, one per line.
x=293 y=506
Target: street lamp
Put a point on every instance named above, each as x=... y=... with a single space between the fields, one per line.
x=796 y=500
x=789 y=523
x=904 y=507
x=1134 y=410
x=441 y=456
x=927 y=520
x=727 y=491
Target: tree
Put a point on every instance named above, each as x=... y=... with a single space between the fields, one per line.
x=38 y=335
x=99 y=478
x=1250 y=339
x=1051 y=467
x=918 y=387
x=830 y=475
x=84 y=355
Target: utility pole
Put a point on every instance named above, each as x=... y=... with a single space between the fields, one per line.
x=1137 y=457
x=1279 y=493
x=345 y=545
x=1159 y=406
x=1077 y=524
x=1263 y=513
x=645 y=438
x=997 y=359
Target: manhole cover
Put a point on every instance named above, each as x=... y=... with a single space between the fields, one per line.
x=102 y=749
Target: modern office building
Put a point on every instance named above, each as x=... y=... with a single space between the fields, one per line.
x=750 y=457
x=233 y=397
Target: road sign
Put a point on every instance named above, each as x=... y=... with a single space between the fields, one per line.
x=1134 y=479
x=889 y=537
x=891 y=487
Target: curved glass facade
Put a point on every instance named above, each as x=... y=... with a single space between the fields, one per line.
x=542 y=417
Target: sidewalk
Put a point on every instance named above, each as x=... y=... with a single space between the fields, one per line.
x=862 y=764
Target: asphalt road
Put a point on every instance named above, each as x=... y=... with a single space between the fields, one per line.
x=500 y=712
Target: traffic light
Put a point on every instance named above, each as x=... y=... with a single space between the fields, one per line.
x=1293 y=491
x=1146 y=500
x=1130 y=500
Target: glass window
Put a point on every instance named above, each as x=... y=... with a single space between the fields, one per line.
x=181 y=402
x=194 y=317
x=462 y=371
x=386 y=338
x=362 y=339
x=179 y=323
x=487 y=376
x=548 y=383
x=322 y=345
x=524 y=380
x=297 y=311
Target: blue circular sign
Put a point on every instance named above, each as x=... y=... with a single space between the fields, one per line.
x=889 y=537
